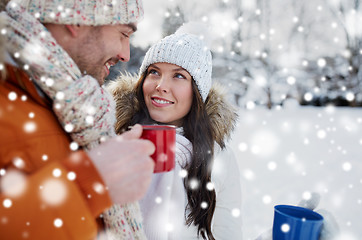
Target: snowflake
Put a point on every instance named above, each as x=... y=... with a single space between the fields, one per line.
x=71 y=176
x=285 y=227
x=53 y=192
x=7 y=203
x=58 y=222
x=12 y=96
x=267 y=199
x=57 y=172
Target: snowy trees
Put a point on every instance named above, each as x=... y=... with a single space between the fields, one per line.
x=348 y=15
x=268 y=51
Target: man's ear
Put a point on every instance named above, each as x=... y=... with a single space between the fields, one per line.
x=73 y=29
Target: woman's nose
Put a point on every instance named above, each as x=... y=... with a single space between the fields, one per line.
x=163 y=86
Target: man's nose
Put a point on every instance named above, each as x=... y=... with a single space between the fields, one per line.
x=124 y=54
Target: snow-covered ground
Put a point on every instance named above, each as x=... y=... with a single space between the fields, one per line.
x=286 y=154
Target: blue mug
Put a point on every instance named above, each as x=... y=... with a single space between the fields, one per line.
x=296 y=223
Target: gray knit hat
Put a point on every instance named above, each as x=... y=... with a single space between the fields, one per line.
x=84 y=12
x=187 y=51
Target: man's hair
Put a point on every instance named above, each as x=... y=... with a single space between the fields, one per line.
x=3 y=4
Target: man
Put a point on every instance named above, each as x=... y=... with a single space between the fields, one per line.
x=61 y=164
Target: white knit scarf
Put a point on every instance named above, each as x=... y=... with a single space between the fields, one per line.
x=83 y=108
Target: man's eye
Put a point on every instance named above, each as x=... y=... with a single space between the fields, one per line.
x=125 y=35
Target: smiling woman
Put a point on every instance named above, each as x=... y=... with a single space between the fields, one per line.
x=175 y=88
x=167 y=93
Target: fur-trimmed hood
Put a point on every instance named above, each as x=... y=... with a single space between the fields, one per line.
x=221 y=113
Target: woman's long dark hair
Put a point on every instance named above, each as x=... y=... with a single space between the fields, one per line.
x=198 y=130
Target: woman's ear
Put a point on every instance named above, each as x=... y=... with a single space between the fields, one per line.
x=73 y=29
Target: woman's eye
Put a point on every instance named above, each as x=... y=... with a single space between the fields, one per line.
x=178 y=75
x=152 y=71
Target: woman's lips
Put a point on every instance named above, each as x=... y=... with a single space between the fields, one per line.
x=161 y=102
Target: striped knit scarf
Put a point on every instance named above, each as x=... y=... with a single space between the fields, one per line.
x=83 y=108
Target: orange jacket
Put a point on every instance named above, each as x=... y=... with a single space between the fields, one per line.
x=38 y=200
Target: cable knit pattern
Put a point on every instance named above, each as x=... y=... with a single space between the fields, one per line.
x=82 y=107
x=163 y=207
x=187 y=51
x=116 y=226
x=85 y=12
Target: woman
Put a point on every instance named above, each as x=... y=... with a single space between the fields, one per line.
x=200 y=197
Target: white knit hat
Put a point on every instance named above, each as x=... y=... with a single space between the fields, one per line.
x=187 y=51
x=84 y=12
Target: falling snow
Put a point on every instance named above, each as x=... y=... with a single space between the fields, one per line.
x=74 y=146
x=300 y=151
x=30 y=127
x=71 y=176
x=53 y=192
x=194 y=184
x=58 y=222
x=98 y=188
x=285 y=227
x=7 y=203
x=57 y=172
x=12 y=96
x=210 y=186
x=284 y=154
x=13 y=183
x=183 y=173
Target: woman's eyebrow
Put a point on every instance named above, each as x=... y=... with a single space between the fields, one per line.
x=178 y=69
x=173 y=70
x=154 y=66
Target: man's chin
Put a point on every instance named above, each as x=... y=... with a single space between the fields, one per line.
x=99 y=77
x=101 y=82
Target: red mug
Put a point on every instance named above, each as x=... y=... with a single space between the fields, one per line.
x=164 y=139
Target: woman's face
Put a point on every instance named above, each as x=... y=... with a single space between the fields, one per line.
x=167 y=90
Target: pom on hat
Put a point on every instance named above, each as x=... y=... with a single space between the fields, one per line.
x=187 y=49
x=85 y=12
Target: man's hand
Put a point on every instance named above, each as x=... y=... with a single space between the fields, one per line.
x=125 y=165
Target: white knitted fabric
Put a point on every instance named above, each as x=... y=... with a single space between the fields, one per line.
x=167 y=187
x=187 y=51
x=84 y=12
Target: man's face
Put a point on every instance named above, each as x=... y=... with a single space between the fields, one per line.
x=102 y=47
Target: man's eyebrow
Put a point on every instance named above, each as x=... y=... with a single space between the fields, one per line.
x=132 y=26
